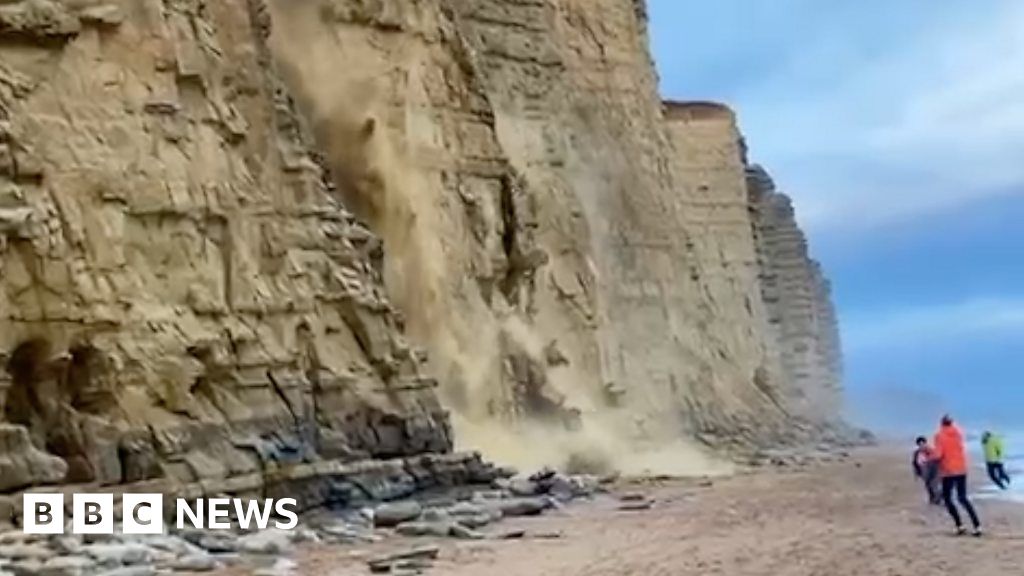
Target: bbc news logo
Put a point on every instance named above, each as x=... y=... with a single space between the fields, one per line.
x=144 y=514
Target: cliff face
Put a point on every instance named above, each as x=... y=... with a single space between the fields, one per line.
x=578 y=115
x=227 y=228
x=721 y=222
x=180 y=295
x=799 y=303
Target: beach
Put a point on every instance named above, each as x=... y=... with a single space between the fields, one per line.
x=862 y=516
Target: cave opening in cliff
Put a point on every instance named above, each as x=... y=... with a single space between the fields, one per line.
x=82 y=383
x=46 y=393
x=26 y=367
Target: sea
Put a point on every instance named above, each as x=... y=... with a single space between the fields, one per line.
x=1014 y=443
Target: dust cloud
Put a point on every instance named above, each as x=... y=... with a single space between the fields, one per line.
x=344 y=88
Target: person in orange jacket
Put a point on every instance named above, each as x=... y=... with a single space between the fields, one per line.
x=952 y=458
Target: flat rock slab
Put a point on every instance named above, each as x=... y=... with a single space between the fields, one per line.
x=552 y=535
x=218 y=542
x=68 y=566
x=172 y=545
x=522 y=506
x=416 y=528
x=194 y=563
x=435 y=515
x=25 y=552
x=119 y=554
x=384 y=564
x=270 y=541
x=512 y=534
x=130 y=571
x=476 y=521
x=636 y=506
x=411 y=567
x=24 y=567
x=466 y=509
x=460 y=531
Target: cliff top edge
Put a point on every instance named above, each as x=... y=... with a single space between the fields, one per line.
x=697 y=110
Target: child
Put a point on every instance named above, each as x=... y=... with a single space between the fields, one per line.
x=926 y=467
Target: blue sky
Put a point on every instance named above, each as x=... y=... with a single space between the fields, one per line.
x=898 y=128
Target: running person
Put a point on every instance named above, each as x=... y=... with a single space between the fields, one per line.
x=992 y=446
x=952 y=457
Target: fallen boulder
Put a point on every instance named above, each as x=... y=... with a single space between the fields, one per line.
x=460 y=531
x=271 y=541
x=217 y=542
x=194 y=563
x=394 y=513
x=512 y=507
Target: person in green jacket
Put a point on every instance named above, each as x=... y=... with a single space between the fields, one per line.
x=992 y=445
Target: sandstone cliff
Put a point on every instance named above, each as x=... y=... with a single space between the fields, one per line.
x=799 y=303
x=181 y=296
x=242 y=234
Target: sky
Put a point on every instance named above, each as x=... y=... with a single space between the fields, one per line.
x=898 y=128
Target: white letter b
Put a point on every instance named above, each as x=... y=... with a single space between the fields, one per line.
x=43 y=514
x=92 y=514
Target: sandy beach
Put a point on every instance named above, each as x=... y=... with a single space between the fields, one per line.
x=864 y=516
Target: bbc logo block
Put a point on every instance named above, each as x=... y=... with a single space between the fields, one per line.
x=93 y=514
x=43 y=514
x=144 y=513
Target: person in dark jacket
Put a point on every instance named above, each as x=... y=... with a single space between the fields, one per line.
x=926 y=468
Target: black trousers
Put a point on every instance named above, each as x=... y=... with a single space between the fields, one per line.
x=959 y=484
x=997 y=472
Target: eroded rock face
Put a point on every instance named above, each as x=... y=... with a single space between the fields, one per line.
x=798 y=300
x=227 y=229
x=773 y=298
x=711 y=154
x=180 y=294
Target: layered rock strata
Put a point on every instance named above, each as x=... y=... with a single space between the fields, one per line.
x=181 y=296
x=711 y=154
x=798 y=300
x=755 y=253
x=228 y=228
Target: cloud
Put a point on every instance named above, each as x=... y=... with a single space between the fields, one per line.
x=927 y=325
x=898 y=128
x=874 y=113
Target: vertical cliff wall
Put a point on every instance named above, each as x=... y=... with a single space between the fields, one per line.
x=523 y=172
x=577 y=110
x=799 y=302
x=180 y=297
x=711 y=154
x=243 y=233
